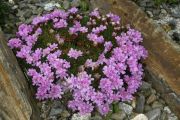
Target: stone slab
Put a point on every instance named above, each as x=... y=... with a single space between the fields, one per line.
x=163 y=62
x=16 y=101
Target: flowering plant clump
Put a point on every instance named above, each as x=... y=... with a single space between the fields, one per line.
x=91 y=57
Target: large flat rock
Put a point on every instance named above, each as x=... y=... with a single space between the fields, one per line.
x=163 y=63
x=16 y=101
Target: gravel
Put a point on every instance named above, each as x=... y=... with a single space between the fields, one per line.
x=146 y=100
x=163 y=15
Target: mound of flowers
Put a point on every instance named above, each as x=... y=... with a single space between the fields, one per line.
x=91 y=60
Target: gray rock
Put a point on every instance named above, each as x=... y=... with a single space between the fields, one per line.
x=75 y=3
x=118 y=116
x=172 y=117
x=151 y=99
x=176 y=15
x=140 y=117
x=172 y=24
x=36 y=10
x=156 y=11
x=81 y=117
x=22 y=19
x=149 y=13
x=65 y=114
x=150 y=3
x=126 y=108
x=96 y=117
x=66 y=4
x=153 y=91
x=20 y=13
x=32 y=1
x=167 y=109
x=145 y=86
x=29 y=20
x=154 y=114
x=140 y=104
x=165 y=6
x=162 y=101
x=50 y=6
x=27 y=13
x=147 y=108
x=164 y=116
x=57 y=104
x=157 y=104
x=23 y=6
x=163 y=11
x=142 y=3
x=133 y=103
x=15 y=7
x=55 y=112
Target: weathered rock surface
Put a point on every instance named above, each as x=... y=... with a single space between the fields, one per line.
x=126 y=108
x=15 y=97
x=119 y=115
x=154 y=114
x=162 y=65
x=140 y=104
x=140 y=117
x=151 y=99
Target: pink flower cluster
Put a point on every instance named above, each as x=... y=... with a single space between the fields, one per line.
x=121 y=72
x=73 y=53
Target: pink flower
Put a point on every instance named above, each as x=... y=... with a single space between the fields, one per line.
x=60 y=24
x=15 y=43
x=77 y=28
x=73 y=53
x=114 y=18
x=59 y=39
x=24 y=30
x=95 y=13
x=108 y=45
x=55 y=92
x=73 y=10
x=95 y=38
x=99 y=29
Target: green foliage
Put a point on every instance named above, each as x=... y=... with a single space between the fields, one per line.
x=158 y=2
x=84 y=5
x=4 y=11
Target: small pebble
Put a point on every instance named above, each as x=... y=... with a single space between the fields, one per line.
x=140 y=104
x=167 y=110
x=151 y=99
x=157 y=104
x=126 y=108
x=140 y=117
x=149 y=13
x=118 y=116
x=154 y=114
x=147 y=108
x=55 y=112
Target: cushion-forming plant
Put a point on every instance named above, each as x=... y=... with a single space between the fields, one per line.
x=91 y=58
